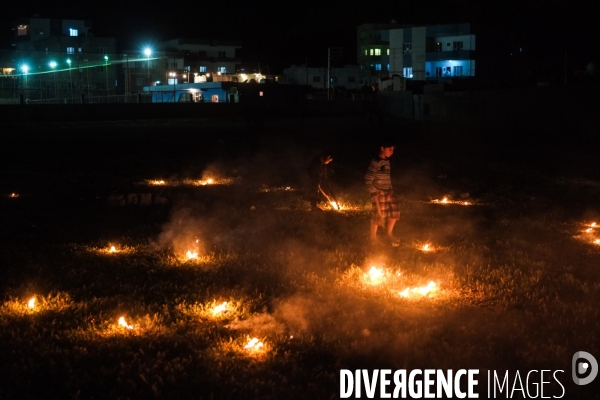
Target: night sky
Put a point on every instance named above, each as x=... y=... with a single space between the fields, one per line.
x=278 y=34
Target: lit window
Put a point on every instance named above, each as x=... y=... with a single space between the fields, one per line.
x=222 y=70
x=377 y=67
x=80 y=50
x=366 y=52
x=388 y=67
x=370 y=52
x=73 y=32
x=70 y=50
x=22 y=30
x=388 y=52
x=202 y=68
x=377 y=52
x=407 y=72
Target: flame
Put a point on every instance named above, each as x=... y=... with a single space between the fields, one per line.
x=220 y=308
x=422 y=290
x=191 y=255
x=426 y=247
x=334 y=205
x=112 y=249
x=597 y=241
x=209 y=181
x=254 y=344
x=31 y=303
x=375 y=274
x=593 y=225
x=14 y=195
x=588 y=230
x=124 y=324
x=158 y=182
x=445 y=200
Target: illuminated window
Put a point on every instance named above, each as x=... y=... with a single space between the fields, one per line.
x=388 y=67
x=73 y=32
x=438 y=46
x=377 y=67
x=202 y=68
x=80 y=50
x=388 y=52
x=22 y=30
x=377 y=52
x=222 y=70
x=407 y=72
x=370 y=52
x=366 y=52
x=70 y=50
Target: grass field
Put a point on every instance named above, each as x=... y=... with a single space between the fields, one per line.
x=515 y=272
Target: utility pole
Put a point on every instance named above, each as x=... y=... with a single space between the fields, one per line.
x=334 y=53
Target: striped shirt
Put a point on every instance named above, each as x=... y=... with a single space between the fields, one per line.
x=378 y=177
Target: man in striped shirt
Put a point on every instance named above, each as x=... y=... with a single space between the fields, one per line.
x=385 y=207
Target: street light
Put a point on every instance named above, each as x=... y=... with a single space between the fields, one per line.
x=106 y=71
x=70 y=77
x=53 y=66
x=25 y=69
x=148 y=52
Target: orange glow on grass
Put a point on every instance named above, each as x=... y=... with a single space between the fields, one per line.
x=420 y=290
x=31 y=303
x=112 y=249
x=158 y=182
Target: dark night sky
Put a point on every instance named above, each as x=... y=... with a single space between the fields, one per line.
x=277 y=34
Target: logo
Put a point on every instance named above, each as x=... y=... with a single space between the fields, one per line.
x=579 y=367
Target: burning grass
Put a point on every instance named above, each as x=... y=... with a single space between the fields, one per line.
x=499 y=288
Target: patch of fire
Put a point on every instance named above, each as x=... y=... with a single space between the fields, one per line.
x=419 y=291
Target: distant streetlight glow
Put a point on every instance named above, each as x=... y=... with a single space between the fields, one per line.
x=148 y=52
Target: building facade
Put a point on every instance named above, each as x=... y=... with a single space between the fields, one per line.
x=347 y=76
x=373 y=51
x=432 y=52
x=58 y=59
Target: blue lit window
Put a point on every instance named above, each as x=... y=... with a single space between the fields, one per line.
x=70 y=50
x=73 y=32
x=203 y=68
x=222 y=70
x=377 y=67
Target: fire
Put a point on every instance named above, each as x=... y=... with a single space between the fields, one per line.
x=334 y=205
x=588 y=230
x=593 y=225
x=422 y=290
x=426 y=247
x=14 y=195
x=254 y=344
x=445 y=200
x=124 y=324
x=158 y=182
x=191 y=255
x=374 y=275
x=597 y=241
x=112 y=249
x=220 y=308
x=31 y=303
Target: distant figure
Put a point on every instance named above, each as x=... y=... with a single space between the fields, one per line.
x=385 y=206
x=317 y=173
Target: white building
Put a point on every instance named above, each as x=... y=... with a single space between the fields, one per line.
x=432 y=52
